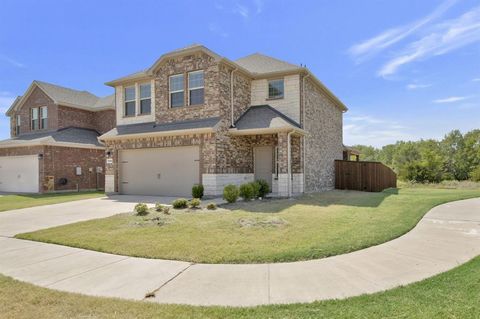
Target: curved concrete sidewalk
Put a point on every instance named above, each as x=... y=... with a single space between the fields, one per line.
x=447 y=236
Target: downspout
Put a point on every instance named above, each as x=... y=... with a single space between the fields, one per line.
x=289 y=162
x=231 y=97
x=303 y=127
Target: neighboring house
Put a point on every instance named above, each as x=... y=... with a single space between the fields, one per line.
x=54 y=140
x=196 y=117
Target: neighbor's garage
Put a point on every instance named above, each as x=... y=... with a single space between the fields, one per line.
x=19 y=174
x=168 y=171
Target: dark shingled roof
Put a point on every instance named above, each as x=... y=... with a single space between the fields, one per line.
x=153 y=127
x=65 y=135
x=263 y=116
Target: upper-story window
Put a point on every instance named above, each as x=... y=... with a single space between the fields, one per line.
x=195 y=88
x=130 y=98
x=145 y=99
x=17 y=124
x=276 y=89
x=176 y=87
x=43 y=117
x=34 y=117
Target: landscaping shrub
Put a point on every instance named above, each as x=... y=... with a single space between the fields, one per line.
x=246 y=191
x=158 y=207
x=256 y=189
x=475 y=174
x=197 y=191
x=264 y=188
x=180 y=203
x=195 y=203
x=141 y=209
x=230 y=193
x=212 y=206
x=166 y=210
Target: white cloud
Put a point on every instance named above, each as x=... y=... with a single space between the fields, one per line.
x=216 y=29
x=370 y=130
x=370 y=47
x=440 y=39
x=450 y=99
x=259 y=4
x=241 y=10
x=11 y=61
x=5 y=102
x=416 y=86
x=476 y=80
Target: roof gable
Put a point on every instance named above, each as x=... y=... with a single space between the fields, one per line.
x=258 y=63
x=64 y=96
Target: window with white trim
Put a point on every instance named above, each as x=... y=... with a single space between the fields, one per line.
x=43 y=117
x=276 y=89
x=130 y=105
x=195 y=88
x=34 y=118
x=176 y=87
x=17 y=124
x=145 y=99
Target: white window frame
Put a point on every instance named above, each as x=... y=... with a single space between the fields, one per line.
x=32 y=125
x=140 y=99
x=41 y=111
x=125 y=101
x=170 y=92
x=17 y=124
x=197 y=87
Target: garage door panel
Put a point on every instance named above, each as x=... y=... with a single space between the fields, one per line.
x=19 y=174
x=159 y=171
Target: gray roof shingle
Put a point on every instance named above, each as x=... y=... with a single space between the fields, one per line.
x=263 y=116
x=258 y=63
x=67 y=135
x=153 y=127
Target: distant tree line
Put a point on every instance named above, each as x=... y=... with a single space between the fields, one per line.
x=455 y=157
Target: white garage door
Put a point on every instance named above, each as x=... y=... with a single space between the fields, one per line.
x=169 y=171
x=19 y=174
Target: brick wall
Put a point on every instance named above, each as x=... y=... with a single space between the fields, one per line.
x=68 y=116
x=36 y=99
x=61 y=162
x=104 y=121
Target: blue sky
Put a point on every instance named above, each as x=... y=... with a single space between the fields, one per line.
x=406 y=69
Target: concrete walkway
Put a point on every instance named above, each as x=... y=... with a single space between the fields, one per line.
x=446 y=237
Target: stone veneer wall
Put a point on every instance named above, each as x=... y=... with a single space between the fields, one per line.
x=323 y=122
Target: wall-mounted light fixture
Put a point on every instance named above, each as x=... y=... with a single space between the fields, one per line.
x=40 y=156
x=109 y=154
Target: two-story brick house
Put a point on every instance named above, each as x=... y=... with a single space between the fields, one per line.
x=53 y=144
x=196 y=117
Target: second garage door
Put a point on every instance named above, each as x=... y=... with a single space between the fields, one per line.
x=169 y=171
x=19 y=174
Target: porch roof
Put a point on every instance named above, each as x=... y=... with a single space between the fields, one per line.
x=153 y=129
x=263 y=119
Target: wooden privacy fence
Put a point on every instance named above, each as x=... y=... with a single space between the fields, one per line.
x=364 y=176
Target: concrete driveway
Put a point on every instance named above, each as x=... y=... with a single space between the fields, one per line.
x=446 y=237
x=40 y=217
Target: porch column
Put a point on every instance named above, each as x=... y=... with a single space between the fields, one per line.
x=283 y=183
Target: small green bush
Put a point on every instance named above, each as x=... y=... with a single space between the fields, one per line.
x=256 y=189
x=212 y=206
x=158 y=207
x=141 y=209
x=195 y=203
x=264 y=188
x=197 y=191
x=180 y=203
x=230 y=193
x=166 y=210
x=475 y=174
x=246 y=191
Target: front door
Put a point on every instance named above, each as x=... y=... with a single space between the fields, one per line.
x=263 y=161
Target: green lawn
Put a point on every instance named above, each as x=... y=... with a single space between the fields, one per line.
x=313 y=226
x=454 y=294
x=9 y=202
